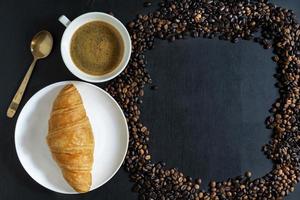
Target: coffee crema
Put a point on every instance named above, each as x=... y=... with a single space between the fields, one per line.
x=97 y=48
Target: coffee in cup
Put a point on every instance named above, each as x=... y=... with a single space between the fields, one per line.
x=95 y=47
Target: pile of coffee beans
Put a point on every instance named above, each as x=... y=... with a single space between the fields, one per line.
x=233 y=20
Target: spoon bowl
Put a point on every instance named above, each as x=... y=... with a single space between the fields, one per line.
x=41 y=44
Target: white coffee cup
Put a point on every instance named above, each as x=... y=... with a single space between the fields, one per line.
x=72 y=26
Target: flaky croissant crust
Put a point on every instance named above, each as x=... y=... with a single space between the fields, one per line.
x=70 y=139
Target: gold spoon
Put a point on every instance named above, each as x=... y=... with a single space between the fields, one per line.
x=41 y=45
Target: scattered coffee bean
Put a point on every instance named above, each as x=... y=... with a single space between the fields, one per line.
x=147 y=4
x=248 y=174
x=154 y=87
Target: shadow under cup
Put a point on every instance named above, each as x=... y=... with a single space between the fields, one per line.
x=72 y=27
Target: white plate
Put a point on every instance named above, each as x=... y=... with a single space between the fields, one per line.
x=109 y=128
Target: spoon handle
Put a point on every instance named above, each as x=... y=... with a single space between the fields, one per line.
x=18 y=96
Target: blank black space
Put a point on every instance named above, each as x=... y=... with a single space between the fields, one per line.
x=207 y=118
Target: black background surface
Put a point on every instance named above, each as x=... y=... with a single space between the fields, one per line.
x=207 y=118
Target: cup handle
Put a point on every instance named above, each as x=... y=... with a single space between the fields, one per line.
x=64 y=20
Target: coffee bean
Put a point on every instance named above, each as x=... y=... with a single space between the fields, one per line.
x=154 y=87
x=147 y=4
x=248 y=174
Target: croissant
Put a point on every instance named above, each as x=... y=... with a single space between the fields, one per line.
x=70 y=139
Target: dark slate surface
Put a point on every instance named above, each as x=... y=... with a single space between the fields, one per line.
x=207 y=118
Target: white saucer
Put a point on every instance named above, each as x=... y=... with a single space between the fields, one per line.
x=109 y=127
